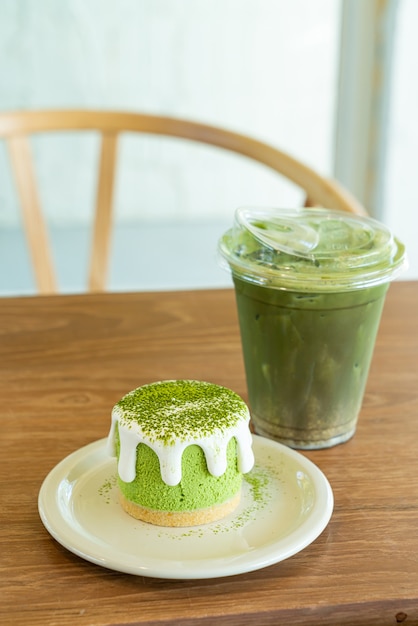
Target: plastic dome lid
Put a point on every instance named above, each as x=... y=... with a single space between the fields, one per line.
x=311 y=249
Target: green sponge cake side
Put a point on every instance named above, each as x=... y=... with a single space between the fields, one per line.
x=197 y=489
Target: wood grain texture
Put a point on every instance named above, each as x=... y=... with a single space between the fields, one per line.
x=103 y=220
x=17 y=128
x=64 y=362
x=323 y=191
x=33 y=220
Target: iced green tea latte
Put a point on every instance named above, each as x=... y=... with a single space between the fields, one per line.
x=310 y=287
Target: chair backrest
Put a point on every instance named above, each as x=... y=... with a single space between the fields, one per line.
x=16 y=128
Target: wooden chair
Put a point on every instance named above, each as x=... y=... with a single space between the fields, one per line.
x=16 y=128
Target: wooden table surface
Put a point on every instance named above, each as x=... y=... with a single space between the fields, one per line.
x=65 y=360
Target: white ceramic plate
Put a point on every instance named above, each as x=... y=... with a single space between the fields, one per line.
x=286 y=503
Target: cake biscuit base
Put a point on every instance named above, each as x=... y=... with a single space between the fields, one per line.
x=180 y=518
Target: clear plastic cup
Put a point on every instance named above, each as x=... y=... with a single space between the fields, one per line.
x=310 y=287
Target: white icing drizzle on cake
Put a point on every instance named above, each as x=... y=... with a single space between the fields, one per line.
x=213 y=444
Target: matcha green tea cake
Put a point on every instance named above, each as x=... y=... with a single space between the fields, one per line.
x=182 y=448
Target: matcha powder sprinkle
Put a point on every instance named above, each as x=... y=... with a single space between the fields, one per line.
x=176 y=409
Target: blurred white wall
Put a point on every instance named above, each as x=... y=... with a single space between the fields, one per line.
x=400 y=193
x=268 y=69
x=264 y=68
x=376 y=126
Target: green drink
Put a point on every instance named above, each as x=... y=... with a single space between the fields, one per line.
x=310 y=287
